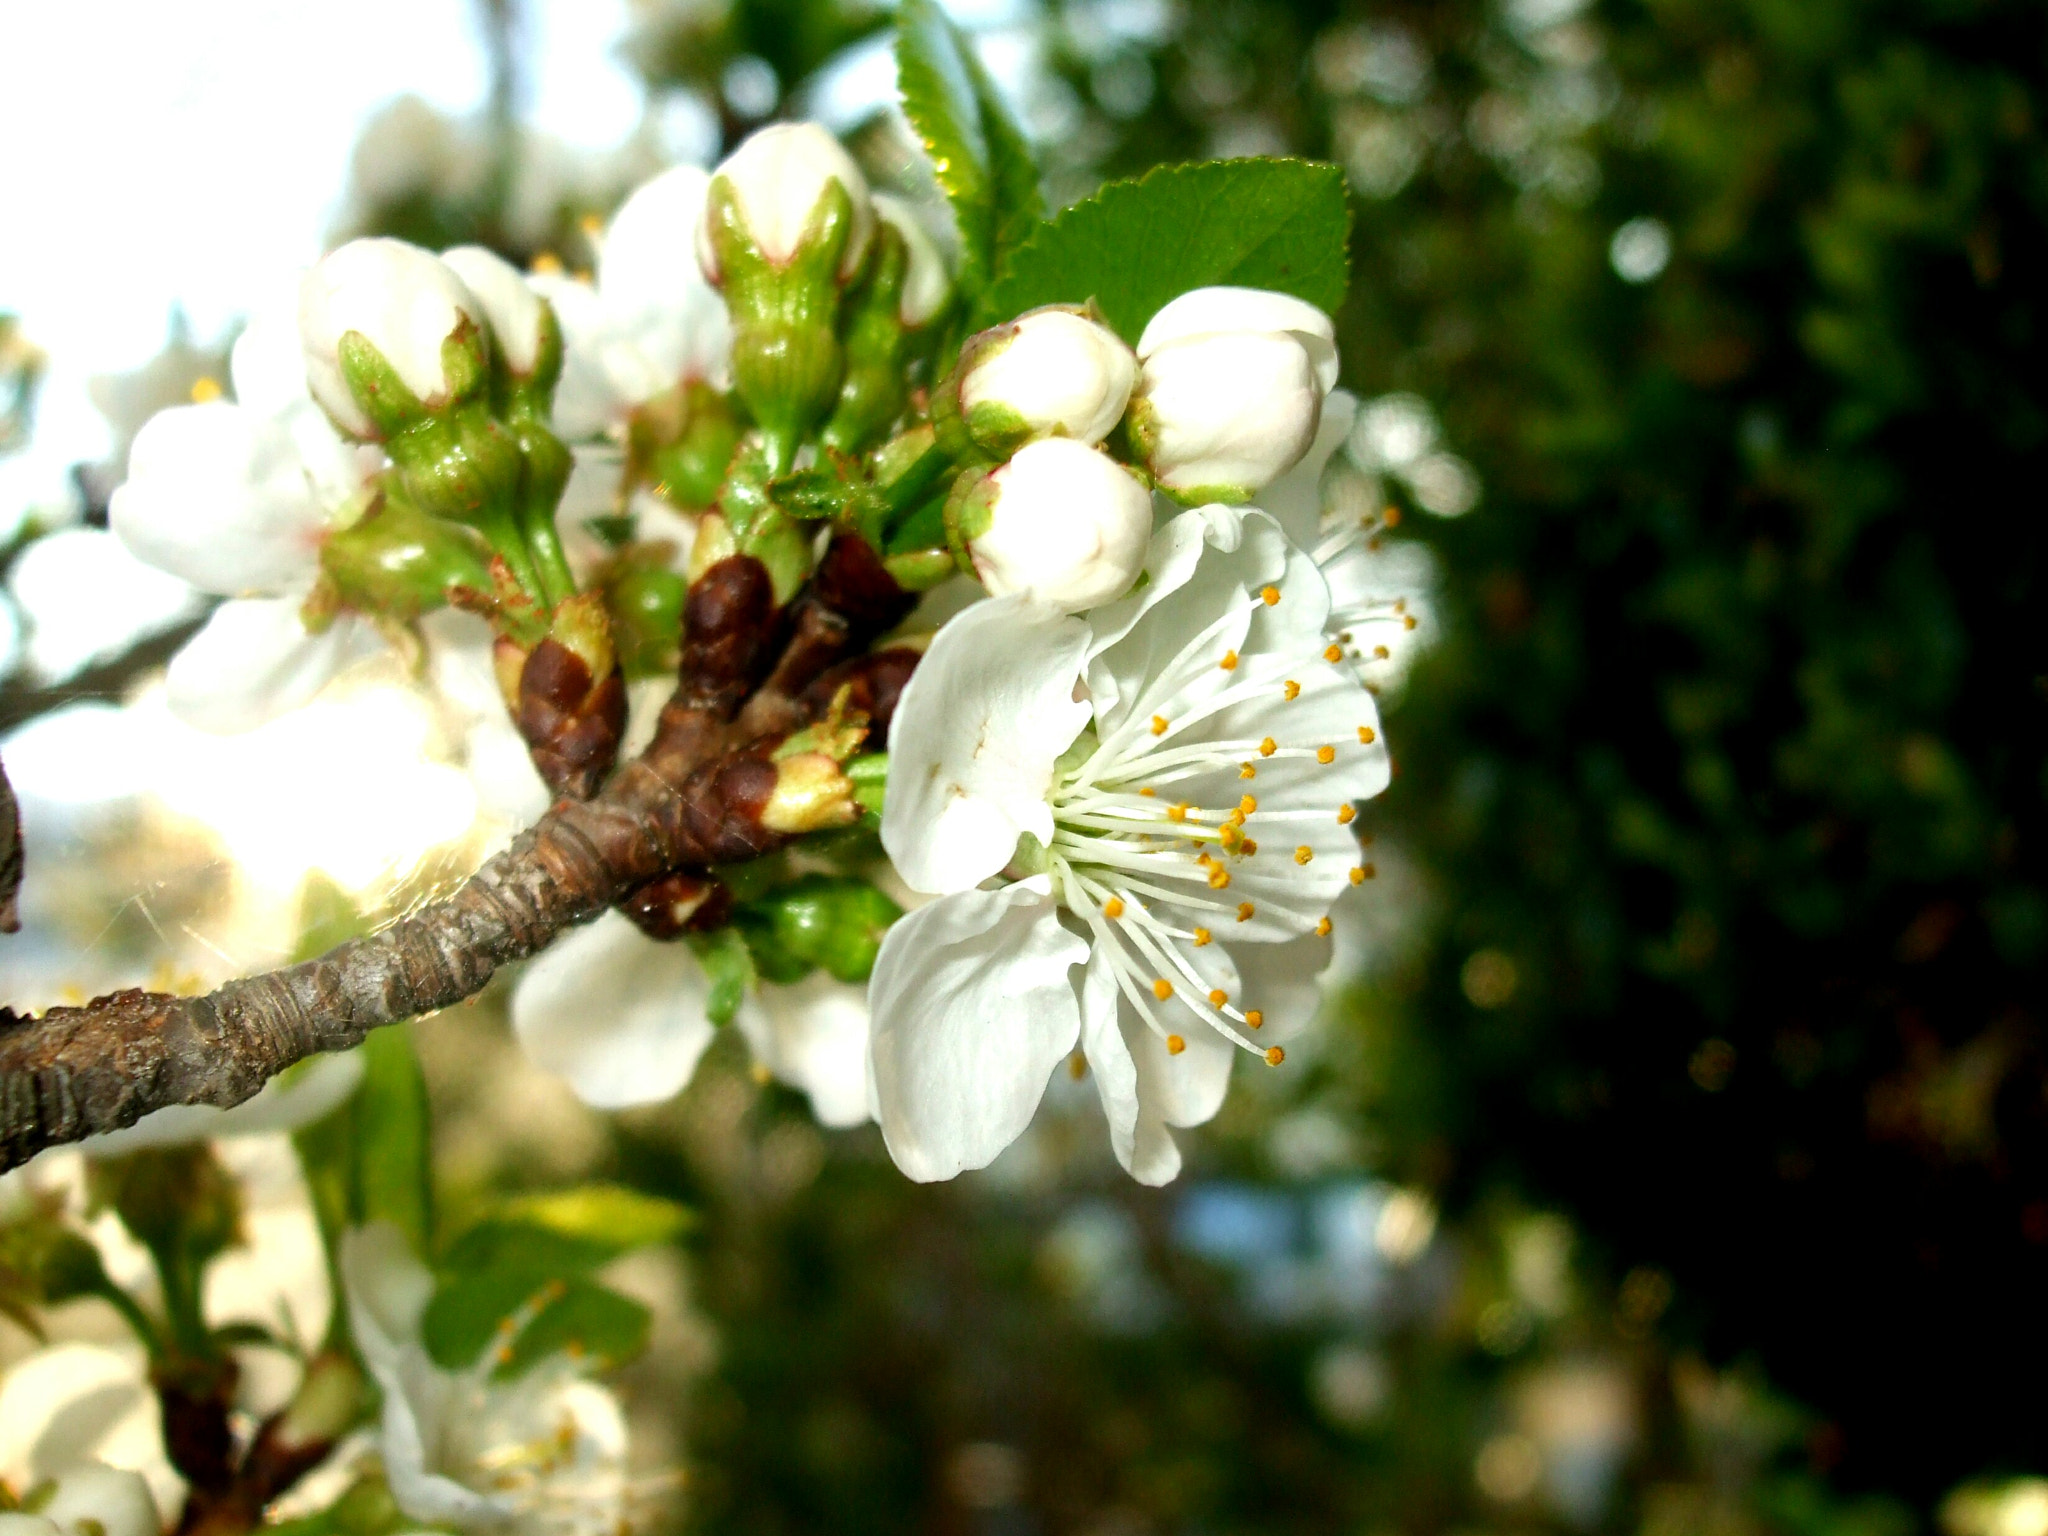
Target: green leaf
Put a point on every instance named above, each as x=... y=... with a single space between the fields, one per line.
x=467 y=1312
x=982 y=160
x=566 y=1232
x=1278 y=224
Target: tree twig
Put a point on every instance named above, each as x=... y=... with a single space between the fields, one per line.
x=697 y=796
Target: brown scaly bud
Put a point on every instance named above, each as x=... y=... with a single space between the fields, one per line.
x=677 y=904
x=852 y=581
x=729 y=629
x=873 y=684
x=194 y=1396
x=572 y=701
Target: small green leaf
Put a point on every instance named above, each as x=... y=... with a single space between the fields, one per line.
x=1278 y=224
x=981 y=158
x=565 y=1232
x=467 y=1312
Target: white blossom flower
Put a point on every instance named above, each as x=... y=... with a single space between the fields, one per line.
x=649 y=322
x=1169 y=783
x=1232 y=385
x=544 y=1452
x=405 y=301
x=236 y=498
x=622 y=1018
x=1052 y=371
x=1061 y=522
x=777 y=178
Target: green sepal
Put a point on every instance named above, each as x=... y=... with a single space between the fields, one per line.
x=876 y=386
x=869 y=775
x=186 y=1209
x=396 y=563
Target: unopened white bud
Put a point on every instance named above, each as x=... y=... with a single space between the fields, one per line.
x=1050 y=372
x=404 y=301
x=1231 y=389
x=508 y=301
x=777 y=177
x=925 y=280
x=1061 y=521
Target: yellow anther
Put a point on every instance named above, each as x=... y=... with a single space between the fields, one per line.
x=1174 y=1044
x=1114 y=907
x=1408 y=621
x=1291 y=689
x=1253 y=1017
x=1358 y=874
x=1345 y=812
x=1303 y=854
x=591 y=224
x=1247 y=804
x=1326 y=754
x=1246 y=911
x=1202 y=937
x=1218 y=879
x=1077 y=1066
x=1268 y=747
x=1218 y=997
x=1229 y=661
x=1234 y=819
x=547 y=264
x=1229 y=834
x=204 y=388
x=1148 y=791
x=1333 y=653
x=1247 y=771
x=1274 y=1055
x=1249 y=847
x=1322 y=928
x=1177 y=812
x=1367 y=735
x=1380 y=653
x=1162 y=989
x=1391 y=517
x=1159 y=725
x=1367 y=871
x=1269 y=595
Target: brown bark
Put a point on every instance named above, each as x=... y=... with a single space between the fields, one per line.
x=693 y=799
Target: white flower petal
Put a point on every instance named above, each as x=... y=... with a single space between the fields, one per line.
x=813 y=1035
x=1295 y=500
x=223 y=498
x=587 y=399
x=388 y=1291
x=253 y=661
x=618 y=1015
x=72 y=1403
x=652 y=289
x=983 y=720
x=973 y=1010
x=268 y=364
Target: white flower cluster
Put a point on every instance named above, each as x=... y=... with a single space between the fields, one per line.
x=1128 y=776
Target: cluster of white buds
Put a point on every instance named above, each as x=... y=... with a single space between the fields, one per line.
x=1221 y=397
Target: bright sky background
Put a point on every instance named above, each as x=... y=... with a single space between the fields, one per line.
x=185 y=154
